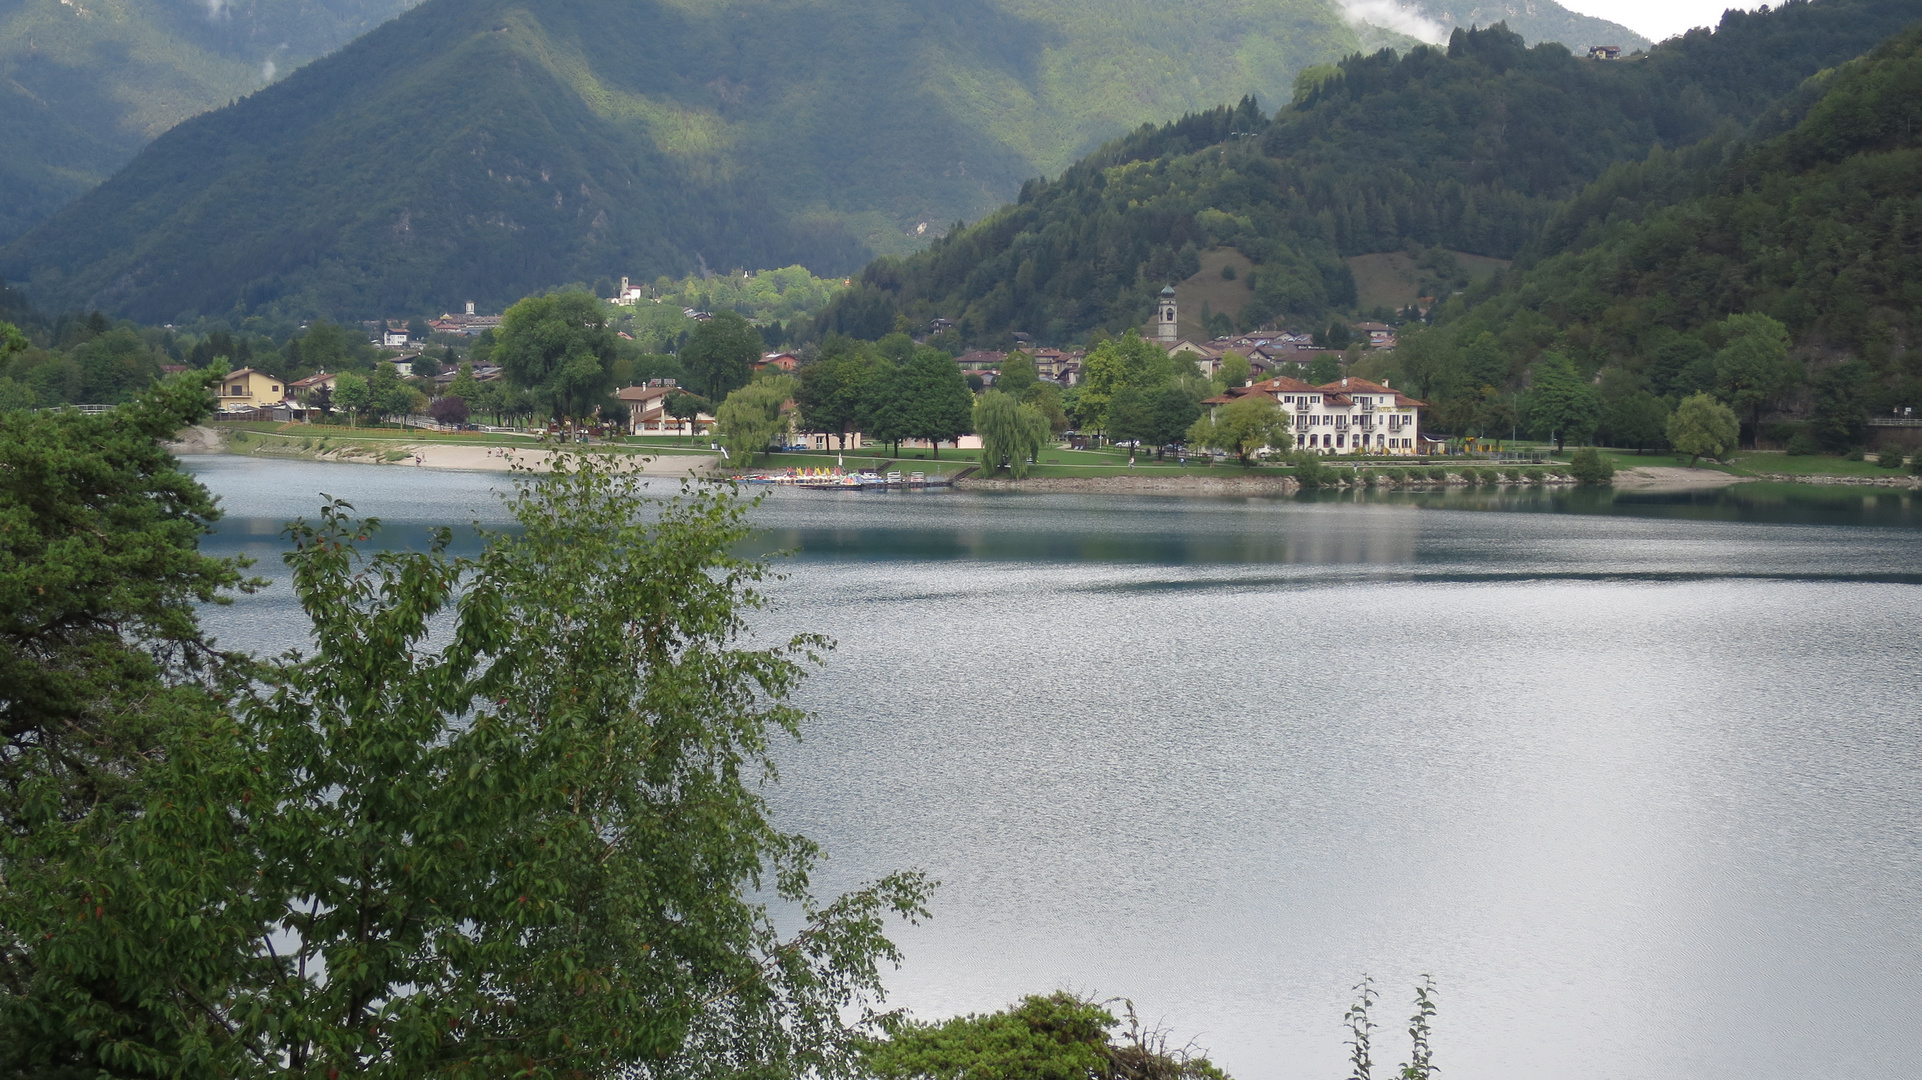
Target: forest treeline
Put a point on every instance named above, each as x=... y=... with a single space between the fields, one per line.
x=1472 y=147
x=1782 y=274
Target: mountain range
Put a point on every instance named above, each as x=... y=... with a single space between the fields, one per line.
x=84 y=84
x=1473 y=148
x=1805 y=224
x=480 y=149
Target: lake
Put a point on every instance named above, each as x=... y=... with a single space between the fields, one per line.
x=1637 y=778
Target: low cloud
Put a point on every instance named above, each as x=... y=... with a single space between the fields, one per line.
x=1390 y=15
x=216 y=8
x=267 y=70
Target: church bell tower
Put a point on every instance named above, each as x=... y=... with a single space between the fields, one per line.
x=1165 y=316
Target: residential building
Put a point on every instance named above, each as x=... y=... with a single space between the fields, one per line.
x=1347 y=416
x=468 y=323
x=780 y=361
x=981 y=358
x=1380 y=335
x=250 y=389
x=829 y=441
x=647 y=410
x=1052 y=365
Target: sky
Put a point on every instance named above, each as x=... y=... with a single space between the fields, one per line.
x=1657 y=19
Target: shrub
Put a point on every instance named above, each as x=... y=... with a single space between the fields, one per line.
x=1370 y=477
x=1310 y=472
x=1856 y=454
x=1588 y=466
x=1491 y=476
x=1438 y=475
x=1802 y=444
x=1890 y=457
x=1538 y=477
x=1915 y=463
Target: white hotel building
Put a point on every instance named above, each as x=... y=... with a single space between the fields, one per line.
x=1347 y=416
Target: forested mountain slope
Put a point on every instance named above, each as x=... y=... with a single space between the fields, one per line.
x=84 y=84
x=1818 y=228
x=1472 y=147
x=478 y=149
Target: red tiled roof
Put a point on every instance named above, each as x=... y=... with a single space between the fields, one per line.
x=1363 y=386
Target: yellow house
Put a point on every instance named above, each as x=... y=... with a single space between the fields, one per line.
x=248 y=388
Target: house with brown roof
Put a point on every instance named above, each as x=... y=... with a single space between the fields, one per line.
x=647 y=410
x=250 y=389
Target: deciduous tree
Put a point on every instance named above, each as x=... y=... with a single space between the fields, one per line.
x=1243 y=426
x=938 y=407
x=1560 y=404
x=1703 y=427
x=1754 y=368
x=559 y=350
x=508 y=817
x=1012 y=433
x=751 y=417
x=719 y=356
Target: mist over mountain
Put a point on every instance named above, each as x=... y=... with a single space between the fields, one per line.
x=84 y=84
x=1537 y=21
x=477 y=149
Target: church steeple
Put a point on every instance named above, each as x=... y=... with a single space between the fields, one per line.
x=1165 y=317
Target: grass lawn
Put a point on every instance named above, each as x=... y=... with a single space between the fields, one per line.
x=1809 y=465
x=1629 y=459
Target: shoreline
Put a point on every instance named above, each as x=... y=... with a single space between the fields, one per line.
x=203 y=441
x=1128 y=485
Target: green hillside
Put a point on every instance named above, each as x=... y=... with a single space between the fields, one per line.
x=1471 y=148
x=1818 y=228
x=478 y=149
x=84 y=84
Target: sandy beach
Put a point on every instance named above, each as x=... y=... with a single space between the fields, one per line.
x=1671 y=478
x=503 y=459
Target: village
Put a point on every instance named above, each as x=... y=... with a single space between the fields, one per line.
x=1334 y=415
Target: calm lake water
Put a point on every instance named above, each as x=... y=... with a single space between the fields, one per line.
x=1637 y=778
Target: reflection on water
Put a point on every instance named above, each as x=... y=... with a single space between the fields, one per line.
x=1634 y=776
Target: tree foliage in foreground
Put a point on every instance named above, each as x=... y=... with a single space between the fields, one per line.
x=1053 y=1037
x=507 y=818
x=99 y=580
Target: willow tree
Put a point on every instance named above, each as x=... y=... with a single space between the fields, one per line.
x=752 y=416
x=1011 y=433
